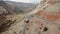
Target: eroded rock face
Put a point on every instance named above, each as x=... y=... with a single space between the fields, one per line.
x=5 y=23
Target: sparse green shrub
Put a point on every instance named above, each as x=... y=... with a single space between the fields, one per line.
x=45 y=28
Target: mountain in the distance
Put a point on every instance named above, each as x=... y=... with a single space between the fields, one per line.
x=19 y=7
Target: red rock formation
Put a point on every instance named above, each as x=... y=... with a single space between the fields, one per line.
x=51 y=12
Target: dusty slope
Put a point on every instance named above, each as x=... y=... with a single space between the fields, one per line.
x=51 y=12
x=7 y=16
x=48 y=17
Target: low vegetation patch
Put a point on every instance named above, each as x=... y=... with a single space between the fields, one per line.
x=45 y=28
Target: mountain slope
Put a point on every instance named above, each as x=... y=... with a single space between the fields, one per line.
x=21 y=7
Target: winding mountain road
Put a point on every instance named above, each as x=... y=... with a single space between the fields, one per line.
x=32 y=13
